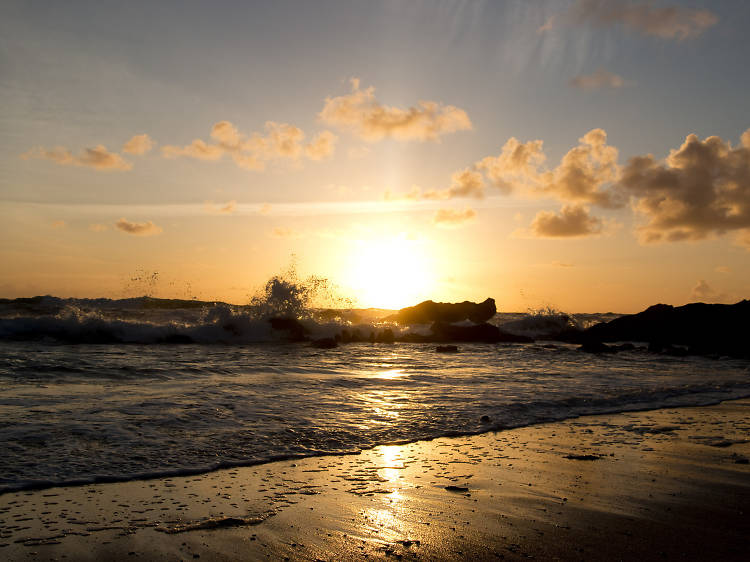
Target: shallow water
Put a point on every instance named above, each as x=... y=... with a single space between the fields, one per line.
x=78 y=413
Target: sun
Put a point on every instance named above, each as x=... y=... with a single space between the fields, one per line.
x=389 y=272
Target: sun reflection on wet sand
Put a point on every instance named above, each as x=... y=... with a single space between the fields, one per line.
x=393 y=463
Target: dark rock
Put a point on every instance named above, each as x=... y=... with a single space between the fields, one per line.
x=485 y=419
x=386 y=336
x=292 y=326
x=443 y=332
x=324 y=343
x=429 y=311
x=447 y=349
x=354 y=336
x=177 y=338
x=596 y=347
x=698 y=328
x=456 y=488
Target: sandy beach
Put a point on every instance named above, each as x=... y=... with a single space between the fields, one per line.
x=653 y=485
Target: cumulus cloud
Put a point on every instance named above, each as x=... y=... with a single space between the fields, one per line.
x=585 y=175
x=668 y=22
x=252 y=152
x=137 y=228
x=517 y=164
x=98 y=158
x=466 y=183
x=139 y=145
x=322 y=146
x=701 y=190
x=706 y=293
x=601 y=79
x=573 y=221
x=449 y=218
x=361 y=113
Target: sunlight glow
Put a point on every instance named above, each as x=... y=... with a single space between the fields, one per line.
x=389 y=272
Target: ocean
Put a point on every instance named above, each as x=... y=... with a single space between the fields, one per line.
x=103 y=390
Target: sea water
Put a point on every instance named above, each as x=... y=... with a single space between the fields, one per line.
x=88 y=393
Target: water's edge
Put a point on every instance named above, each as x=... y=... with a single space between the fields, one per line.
x=178 y=473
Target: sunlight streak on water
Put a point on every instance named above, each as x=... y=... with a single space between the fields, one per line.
x=117 y=411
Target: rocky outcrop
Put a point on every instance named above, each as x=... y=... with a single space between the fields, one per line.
x=705 y=329
x=428 y=312
x=291 y=326
x=443 y=332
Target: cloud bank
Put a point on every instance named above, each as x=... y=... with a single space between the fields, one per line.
x=361 y=113
x=280 y=141
x=700 y=190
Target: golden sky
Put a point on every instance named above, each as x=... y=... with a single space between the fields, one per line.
x=590 y=155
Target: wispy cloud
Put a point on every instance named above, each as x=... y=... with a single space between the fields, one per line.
x=361 y=113
x=706 y=293
x=147 y=228
x=449 y=218
x=599 y=80
x=98 y=158
x=669 y=22
x=357 y=152
x=284 y=232
x=221 y=208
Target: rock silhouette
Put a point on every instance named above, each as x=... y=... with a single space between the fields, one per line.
x=705 y=329
x=428 y=312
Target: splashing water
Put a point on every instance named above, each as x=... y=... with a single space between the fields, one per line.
x=286 y=296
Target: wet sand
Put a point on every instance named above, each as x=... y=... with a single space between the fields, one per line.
x=656 y=485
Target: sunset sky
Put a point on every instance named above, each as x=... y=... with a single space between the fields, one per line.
x=590 y=155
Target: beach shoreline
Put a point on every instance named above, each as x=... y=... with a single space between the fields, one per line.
x=655 y=484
